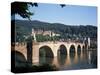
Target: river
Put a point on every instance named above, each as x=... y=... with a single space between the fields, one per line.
x=84 y=60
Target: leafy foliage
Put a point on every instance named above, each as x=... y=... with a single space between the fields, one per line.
x=22 y=8
x=62 y=5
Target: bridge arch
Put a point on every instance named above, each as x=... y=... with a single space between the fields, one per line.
x=46 y=51
x=45 y=55
x=62 y=50
x=79 y=50
x=20 y=48
x=83 y=48
x=18 y=59
x=61 y=54
x=72 y=51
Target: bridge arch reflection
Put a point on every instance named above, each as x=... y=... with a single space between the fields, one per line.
x=62 y=50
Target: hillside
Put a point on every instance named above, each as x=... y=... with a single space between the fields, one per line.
x=24 y=27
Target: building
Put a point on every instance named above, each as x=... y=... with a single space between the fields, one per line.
x=44 y=33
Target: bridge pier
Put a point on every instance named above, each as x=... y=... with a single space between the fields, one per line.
x=35 y=54
x=81 y=47
x=76 y=49
x=68 y=49
x=55 y=49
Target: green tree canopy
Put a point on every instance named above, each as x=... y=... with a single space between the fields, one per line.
x=22 y=8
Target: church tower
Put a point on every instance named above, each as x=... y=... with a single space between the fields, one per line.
x=33 y=34
x=88 y=41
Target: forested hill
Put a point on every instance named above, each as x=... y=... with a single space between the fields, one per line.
x=25 y=27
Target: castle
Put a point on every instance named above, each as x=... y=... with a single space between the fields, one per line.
x=44 y=33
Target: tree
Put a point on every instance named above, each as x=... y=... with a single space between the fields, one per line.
x=62 y=5
x=22 y=8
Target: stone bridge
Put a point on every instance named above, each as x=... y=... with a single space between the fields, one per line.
x=54 y=47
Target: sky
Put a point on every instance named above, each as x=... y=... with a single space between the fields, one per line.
x=68 y=15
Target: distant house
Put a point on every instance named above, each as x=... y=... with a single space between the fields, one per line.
x=55 y=34
x=50 y=33
x=38 y=32
x=47 y=33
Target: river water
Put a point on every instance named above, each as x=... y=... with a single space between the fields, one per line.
x=84 y=60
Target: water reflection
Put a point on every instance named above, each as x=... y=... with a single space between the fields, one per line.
x=45 y=60
x=92 y=58
x=61 y=59
x=87 y=59
x=76 y=58
x=68 y=61
x=81 y=55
